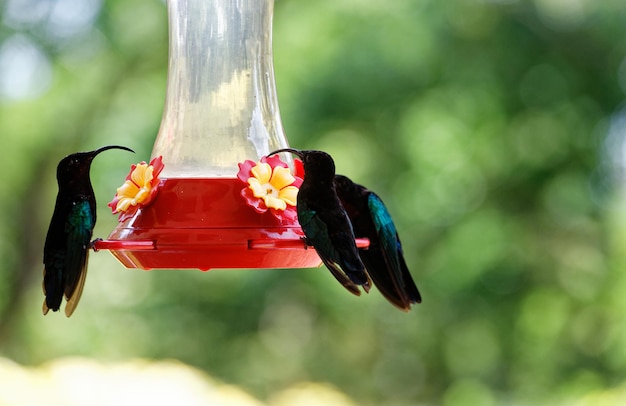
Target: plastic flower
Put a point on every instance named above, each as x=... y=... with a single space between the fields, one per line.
x=139 y=189
x=270 y=186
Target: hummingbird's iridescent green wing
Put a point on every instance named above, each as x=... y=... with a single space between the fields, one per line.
x=386 y=230
x=79 y=228
x=316 y=232
x=55 y=252
x=392 y=251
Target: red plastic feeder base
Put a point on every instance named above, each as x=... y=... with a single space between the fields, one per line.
x=205 y=223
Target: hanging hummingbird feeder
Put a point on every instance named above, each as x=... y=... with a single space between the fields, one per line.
x=209 y=198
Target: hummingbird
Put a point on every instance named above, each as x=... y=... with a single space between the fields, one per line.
x=325 y=223
x=69 y=236
x=383 y=259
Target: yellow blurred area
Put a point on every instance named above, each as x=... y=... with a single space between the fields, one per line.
x=83 y=381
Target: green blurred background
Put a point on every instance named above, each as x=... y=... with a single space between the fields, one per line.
x=493 y=129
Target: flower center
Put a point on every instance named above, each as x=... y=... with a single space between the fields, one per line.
x=270 y=190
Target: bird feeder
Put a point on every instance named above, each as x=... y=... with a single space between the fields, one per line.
x=221 y=112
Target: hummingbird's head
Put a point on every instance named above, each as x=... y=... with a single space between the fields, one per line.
x=75 y=167
x=317 y=164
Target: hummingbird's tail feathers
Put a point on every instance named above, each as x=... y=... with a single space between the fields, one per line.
x=73 y=300
x=410 y=288
x=52 y=290
x=342 y=278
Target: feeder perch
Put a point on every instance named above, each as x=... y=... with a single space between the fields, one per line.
x=220 y=110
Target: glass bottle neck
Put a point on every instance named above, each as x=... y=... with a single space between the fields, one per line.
x=221 y=106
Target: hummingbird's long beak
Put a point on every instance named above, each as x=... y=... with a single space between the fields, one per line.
x=291 y=150
x=99 y=150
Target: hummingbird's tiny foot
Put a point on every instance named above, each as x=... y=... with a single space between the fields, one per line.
x=307 y=243
x=92 y=245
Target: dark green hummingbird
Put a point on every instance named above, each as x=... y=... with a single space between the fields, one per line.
x=383 y=259
x=69 y=236
x=325 y=223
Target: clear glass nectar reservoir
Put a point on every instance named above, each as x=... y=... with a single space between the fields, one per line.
x=221 y=106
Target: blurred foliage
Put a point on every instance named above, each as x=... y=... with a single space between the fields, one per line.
x=493 y=129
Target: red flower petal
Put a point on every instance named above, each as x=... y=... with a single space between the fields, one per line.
x=289 y=214
x=257 y=204
x=274 y=161
x=157 y=164
x=153 y=192
x=297 y=183
x=244 y=170
x=128 y=213
x=298 y=167
x=113 y=203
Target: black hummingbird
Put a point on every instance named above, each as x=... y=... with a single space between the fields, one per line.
x=69 y=236
x=383 y=258
x=325 y=223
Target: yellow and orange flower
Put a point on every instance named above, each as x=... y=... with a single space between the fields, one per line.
x=270 y=186
x=139 y=189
